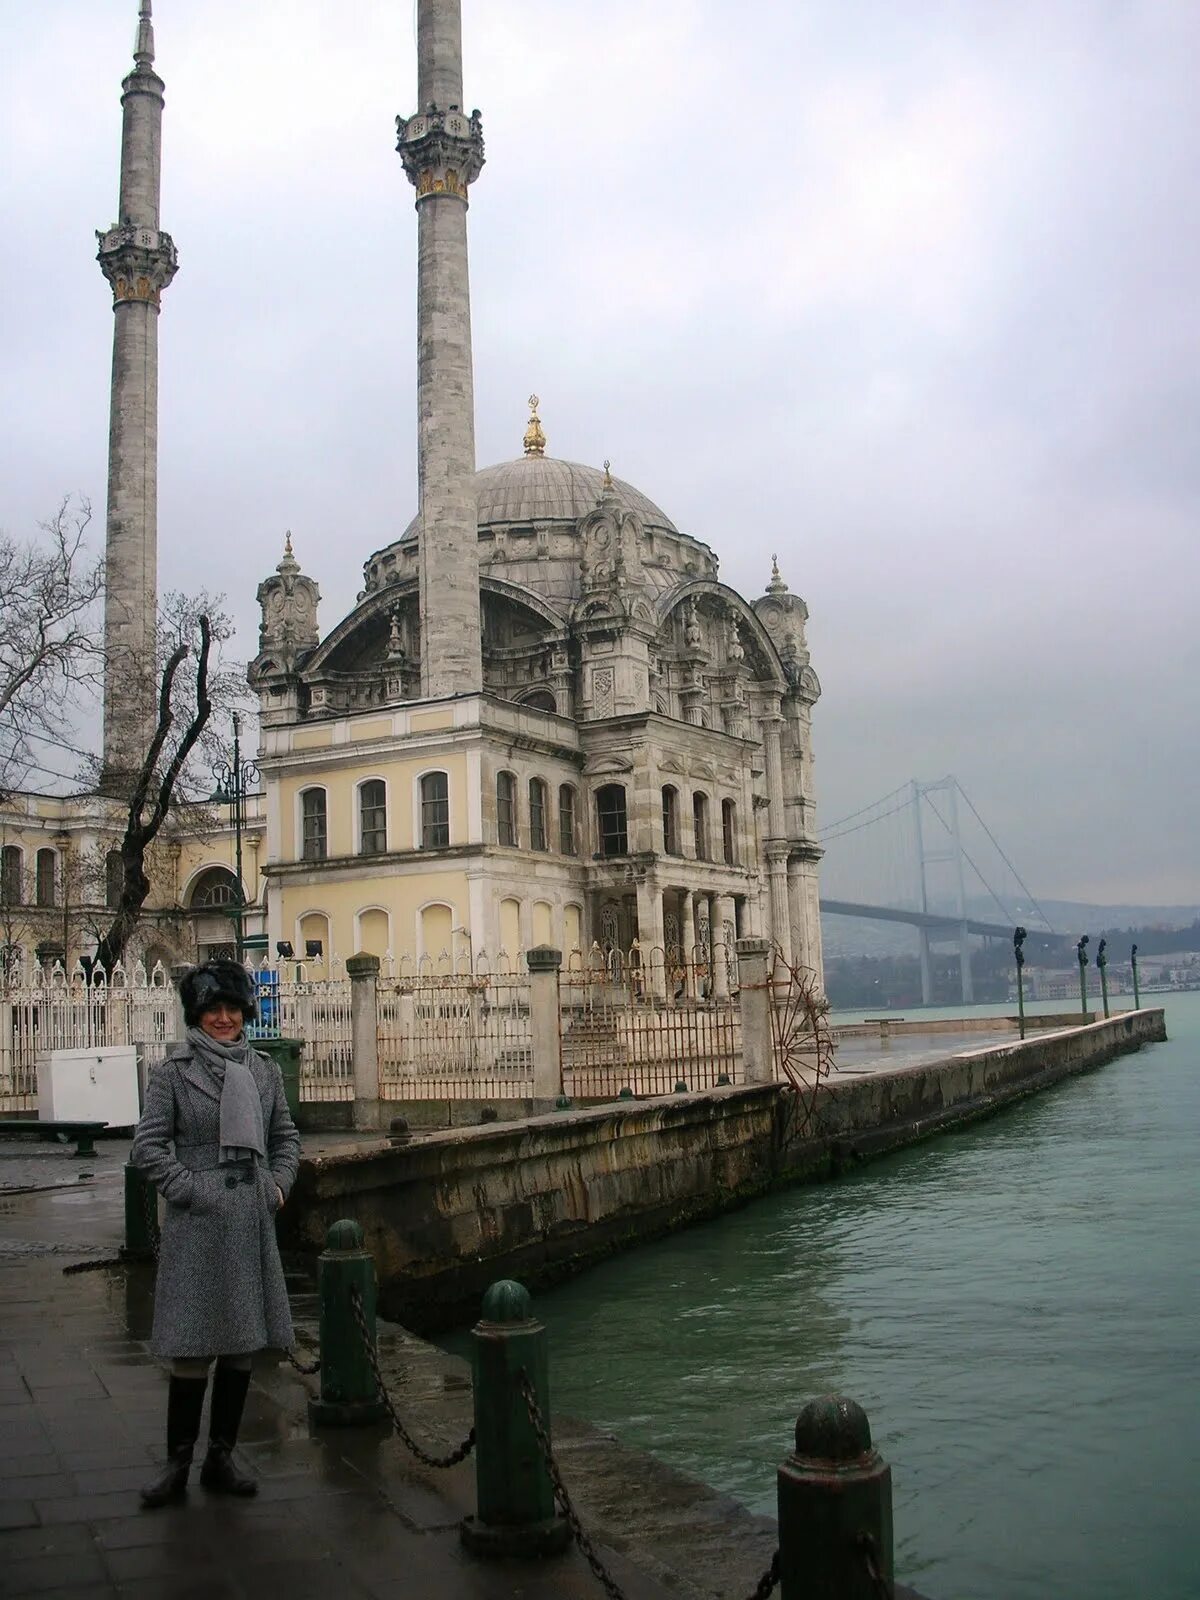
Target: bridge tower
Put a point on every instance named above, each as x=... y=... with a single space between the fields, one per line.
x=926 y=856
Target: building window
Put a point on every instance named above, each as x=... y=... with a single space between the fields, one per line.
x=435 y=811
x=566 y=820
x=44 y=888
x=729 y=832
x=214 y=889
x=538 y=839
x=11 y=873
x=506 y=808
x=372 y=817
x=610 y=815
x=114 y=878
x=700 y=825
x=314 y=829
x=670 y=819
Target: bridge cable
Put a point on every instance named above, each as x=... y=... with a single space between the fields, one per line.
x=829 y=826
x=828 y=838
x=1007 y=913
x=1028 y=891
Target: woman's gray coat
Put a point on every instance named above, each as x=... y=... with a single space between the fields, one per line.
x=220 y=1287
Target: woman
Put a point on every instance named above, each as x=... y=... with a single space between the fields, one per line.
x=220 y=1290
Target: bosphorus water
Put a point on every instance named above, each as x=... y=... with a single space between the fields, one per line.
x=1016 y=1304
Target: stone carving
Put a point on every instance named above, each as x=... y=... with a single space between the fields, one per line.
x=603 y=691
x=442 y=151
x=138 y=262
x=289 y=610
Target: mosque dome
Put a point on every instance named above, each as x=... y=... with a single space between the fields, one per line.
x=529 y=512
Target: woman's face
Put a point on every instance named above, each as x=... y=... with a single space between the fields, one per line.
x=222 y=1021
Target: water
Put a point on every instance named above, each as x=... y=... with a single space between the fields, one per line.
x=1015 y=1304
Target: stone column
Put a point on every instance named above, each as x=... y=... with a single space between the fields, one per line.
x=651 y=936
x=758 y=1052
x=139 y=261
x=543 y=962
x=363 y=972
x=777 y=889
x=442 y=150
x=723 y=912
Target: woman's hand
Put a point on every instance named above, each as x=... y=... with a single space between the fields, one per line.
x=279 y=1192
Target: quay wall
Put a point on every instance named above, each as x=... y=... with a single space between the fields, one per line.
x=538 y=1199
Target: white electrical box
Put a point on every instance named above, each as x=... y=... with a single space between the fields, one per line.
x=97 y=1085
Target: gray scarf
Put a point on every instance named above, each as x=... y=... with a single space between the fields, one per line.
x=241 y=1108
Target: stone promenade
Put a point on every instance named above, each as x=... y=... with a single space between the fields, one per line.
x=344 y=1514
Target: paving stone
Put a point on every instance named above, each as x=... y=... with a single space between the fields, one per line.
x=18 y=1514
x=49 y=1574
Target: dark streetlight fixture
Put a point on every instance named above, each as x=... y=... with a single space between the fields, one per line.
x=1102 y=963
x=234 y=777
x=1019 y=937
x=1137 y=999
x=1081 y=952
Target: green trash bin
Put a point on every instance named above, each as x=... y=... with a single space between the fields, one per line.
x=285 y=1053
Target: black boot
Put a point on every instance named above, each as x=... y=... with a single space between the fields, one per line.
x=228 y=1401
x=185 y=1401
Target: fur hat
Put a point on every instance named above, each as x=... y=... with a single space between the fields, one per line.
x=203 y=987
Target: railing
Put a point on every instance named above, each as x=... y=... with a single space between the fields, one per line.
x=44 y=1009
x=299 y=1004
x=646 y=1021
x=455 y=1031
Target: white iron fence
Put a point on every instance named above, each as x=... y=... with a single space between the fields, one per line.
x=455 y=1031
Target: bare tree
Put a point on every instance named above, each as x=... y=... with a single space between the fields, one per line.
x=51 y=643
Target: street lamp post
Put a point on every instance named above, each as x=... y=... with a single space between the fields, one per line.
x=233 y=779
x=1019 y=937
x=1081 y=952
x=1102 y=963
x=1137 y=999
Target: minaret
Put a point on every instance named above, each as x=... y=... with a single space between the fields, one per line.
x=138 y=260
x=442 y=151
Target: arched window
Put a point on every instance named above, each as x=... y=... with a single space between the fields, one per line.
x=46 y=869
x=538 y=839
x=506 y=808
x=12 y=871
x=372 y=817
x=314 y=828
x=729 y=832
x=213 y=889
x=314 y=937
x=670 y=820
x=114 y=878
x=435 y=811
x=540 y=700
x=612 y=824
x=700 y=825
x=566 y=820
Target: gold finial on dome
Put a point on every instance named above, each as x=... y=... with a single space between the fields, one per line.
x=608 y=483
x=535 y=439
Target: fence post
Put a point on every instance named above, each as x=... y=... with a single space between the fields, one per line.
x=543 y=962
x=514 y=1498
x=363 y=972
x=835 y=1508
x=349 y=1393
x=141 y=1216
x=179 y=970
x=754 y=997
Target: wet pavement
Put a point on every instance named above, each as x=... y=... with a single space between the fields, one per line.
x=346 y=1512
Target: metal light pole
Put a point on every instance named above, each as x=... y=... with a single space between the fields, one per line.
x=1081 y=952
x=1019 y=937
x=233 y=779
x=1102 y=963
x=1137 y=999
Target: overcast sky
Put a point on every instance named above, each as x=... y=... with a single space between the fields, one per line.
x=906 y=292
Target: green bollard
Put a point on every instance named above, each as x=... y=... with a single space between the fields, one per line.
x=835 y=1507
x=680 y=1086
x=349 y=1393
x=514 y=1499
x=141 y=1216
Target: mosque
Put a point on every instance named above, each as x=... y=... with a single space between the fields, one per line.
x=545 y=721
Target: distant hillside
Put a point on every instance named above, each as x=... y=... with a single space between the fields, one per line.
x=854 y=936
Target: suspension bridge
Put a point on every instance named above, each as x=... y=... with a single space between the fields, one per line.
x=924 y=856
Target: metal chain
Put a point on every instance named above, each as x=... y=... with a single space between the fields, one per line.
x=305 y=1371
x=368 y=1344
x=605 y=1578
x=870 y=1551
